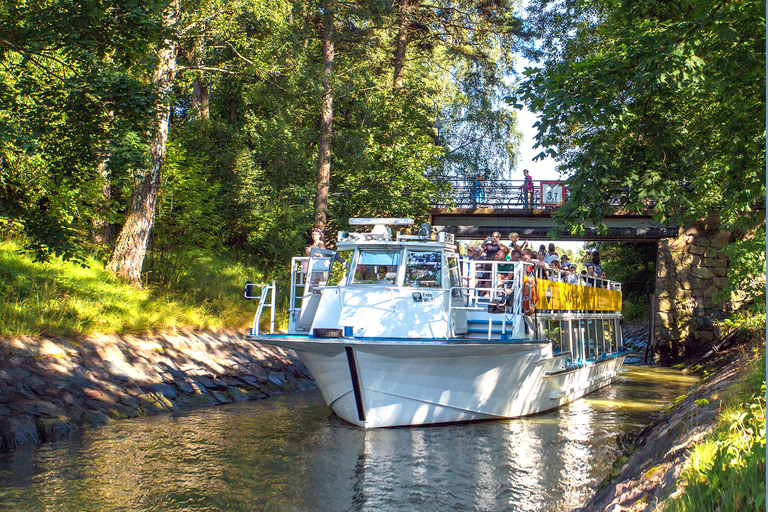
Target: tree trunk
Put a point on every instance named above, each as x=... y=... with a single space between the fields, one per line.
x=233 y=105
x=326 y=125
x=131 y=247
x=100 y=227
x=400 y=46
x=200 y=98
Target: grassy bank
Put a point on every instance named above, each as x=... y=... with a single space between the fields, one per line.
x=62 y=298
x=727 y=470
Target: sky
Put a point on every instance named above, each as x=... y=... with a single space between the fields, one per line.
x=540 y=170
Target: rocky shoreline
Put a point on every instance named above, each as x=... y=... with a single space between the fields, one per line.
x=51 y=387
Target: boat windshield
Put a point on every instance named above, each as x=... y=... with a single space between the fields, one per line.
x=377 y=266
x=423 y=268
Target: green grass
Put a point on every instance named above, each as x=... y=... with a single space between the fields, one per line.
x=635 y=309
x=727 y=470
x=65 y=299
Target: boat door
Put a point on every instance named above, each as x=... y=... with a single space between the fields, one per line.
x=318 y=273
x=458 y=313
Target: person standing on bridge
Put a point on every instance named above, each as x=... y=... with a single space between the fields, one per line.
x=479 y=190
x=527 y=189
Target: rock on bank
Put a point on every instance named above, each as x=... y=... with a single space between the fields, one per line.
x=51 y=387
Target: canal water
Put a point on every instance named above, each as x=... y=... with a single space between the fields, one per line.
x=289 y=453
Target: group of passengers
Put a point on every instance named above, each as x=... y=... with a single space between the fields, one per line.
x=549 y=264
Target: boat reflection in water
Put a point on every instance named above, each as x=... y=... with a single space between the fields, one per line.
x=288 y=453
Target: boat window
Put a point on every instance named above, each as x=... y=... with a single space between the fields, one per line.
x=609 y=336
x=591 y=340
x=376 y=266
x=340 y=268
x=453 y=268
x=554 y=333
x=576 y=339
x=423 y=268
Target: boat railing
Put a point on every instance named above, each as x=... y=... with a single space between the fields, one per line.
x=266 y=299
x=490 y=270
x=298 y=282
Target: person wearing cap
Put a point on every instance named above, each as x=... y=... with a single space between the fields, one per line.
x=573 y=277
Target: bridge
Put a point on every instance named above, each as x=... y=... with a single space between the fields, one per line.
x=473 y=213
x=690 y=265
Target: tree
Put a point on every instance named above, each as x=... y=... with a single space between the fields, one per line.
x=73 y=98
x=645 y=98
x=128 y=255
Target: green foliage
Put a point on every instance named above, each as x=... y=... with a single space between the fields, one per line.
x=80 y=107
x=631 y=264
x=727 y=470
x=72 y=90
x=643 y=103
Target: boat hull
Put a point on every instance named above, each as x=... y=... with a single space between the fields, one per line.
x=391 y=382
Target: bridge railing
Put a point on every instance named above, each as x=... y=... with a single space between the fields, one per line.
x=510 y=194
x=502 y=194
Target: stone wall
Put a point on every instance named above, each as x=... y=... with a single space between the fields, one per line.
x=691 y=269
x=52 y=387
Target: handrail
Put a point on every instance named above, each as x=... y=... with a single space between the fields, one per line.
x=265 y=289
x=508 y=194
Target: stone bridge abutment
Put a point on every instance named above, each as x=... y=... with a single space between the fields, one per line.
x=690 y=270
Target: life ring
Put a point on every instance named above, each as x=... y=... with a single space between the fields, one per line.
x=529 y=295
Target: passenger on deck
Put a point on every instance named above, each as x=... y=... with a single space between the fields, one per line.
x=555 y=274
x=514 y=238
x=320 y=270
x=551 y=253
x=596 y=263
x=564 y=263
x=573 y=276
x=606 y=284
x=491 y=245
x=317 y=240
x=584 y=279
x=591 y=277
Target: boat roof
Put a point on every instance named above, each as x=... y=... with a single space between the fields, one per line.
x=381 y=235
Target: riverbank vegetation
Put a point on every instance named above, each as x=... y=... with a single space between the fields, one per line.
x=61 y=298
x=641 y=105
x=726 y=471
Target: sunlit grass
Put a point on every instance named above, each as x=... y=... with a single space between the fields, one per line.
x=62 y=298
x=727 y=470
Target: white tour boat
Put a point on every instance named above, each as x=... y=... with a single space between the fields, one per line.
x=403 y=331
